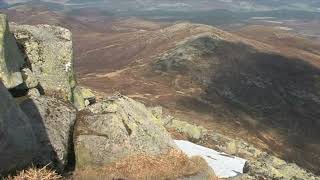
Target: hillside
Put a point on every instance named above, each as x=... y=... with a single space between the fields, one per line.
x=238 y=86
x=118 y=54
x=252 y=92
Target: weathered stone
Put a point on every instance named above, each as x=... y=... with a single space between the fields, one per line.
x=83 y=97
x=11 y=60
x=231 y=147
x=29 y=79
x=156 y=111
x=118 y=128
x=87 y=94
x=262 y=165
x=50 y=54
x=33 y=92
x=245 y=177
x=17 y=139
x=53 y=122
x=272 y=167
x=78 y=100
x=192 y=131
x=86 y=102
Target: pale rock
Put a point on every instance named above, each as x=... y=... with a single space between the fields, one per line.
x=50 y=53
x=33 y=92
x=104 y=135
x=29 y=78
x=83 y=97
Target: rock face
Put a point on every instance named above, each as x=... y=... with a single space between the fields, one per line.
x=117 y=128
x=38 y=132
x=17 y=138
x=11 y=61
x=52 y=121
x=49 y=54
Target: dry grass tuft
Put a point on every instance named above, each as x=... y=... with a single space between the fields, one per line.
x=36 y=174
x=172 y=165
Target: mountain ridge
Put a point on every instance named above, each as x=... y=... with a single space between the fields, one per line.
x=194 y=59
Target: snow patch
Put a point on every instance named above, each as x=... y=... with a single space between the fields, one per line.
x=224 y=165
x=68 y=67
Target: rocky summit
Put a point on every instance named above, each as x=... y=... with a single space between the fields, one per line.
x=50 y=122
x=47 y=120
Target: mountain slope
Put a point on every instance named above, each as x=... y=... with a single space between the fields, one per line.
x=261 y=85
x=235 y=85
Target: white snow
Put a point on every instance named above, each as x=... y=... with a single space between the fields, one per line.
x=223 y=164
x=68 y=67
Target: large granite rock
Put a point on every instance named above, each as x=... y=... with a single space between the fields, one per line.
x=53 y=121
x=49 y=53
x=17 y=139
x=11 y=61
x=118 y=128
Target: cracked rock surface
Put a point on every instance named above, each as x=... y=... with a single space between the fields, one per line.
x=49 y=53
x=117 y=128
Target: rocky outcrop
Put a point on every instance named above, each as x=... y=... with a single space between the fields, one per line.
x=11 y=60
x=39 y=130
x=261 y=164
x=49 y=55
x=17 y=138
x=118 y=128
x=190 y=131
x=52 y=121
x=83 y=97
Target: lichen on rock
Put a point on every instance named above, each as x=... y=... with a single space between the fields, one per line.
x=49 y=52
x=83 y=97
x=117 y=128
x=192 y=132
x=53 y=121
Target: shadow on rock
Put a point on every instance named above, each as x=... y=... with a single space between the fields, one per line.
x=52 y=121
